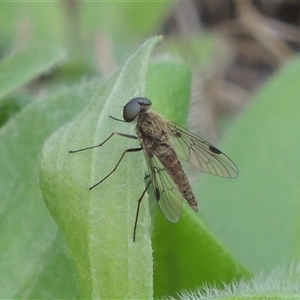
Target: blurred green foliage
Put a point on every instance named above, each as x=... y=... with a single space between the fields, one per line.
x=52 y=84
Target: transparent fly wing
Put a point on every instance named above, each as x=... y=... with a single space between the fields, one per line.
x=199 y=153
x=168 y=197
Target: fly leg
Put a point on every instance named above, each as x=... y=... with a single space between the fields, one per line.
x=138 y=209
x=116 y=166
x=101 y=144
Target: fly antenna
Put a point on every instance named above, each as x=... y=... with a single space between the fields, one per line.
x=117 y=119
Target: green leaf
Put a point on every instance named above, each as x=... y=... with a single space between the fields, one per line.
x=24 y=66
x=168 y=87
x=257 y=215
x=98 y=224
x=33 y=259
x=201 y=50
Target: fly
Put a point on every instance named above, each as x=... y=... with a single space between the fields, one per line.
x=165 y=146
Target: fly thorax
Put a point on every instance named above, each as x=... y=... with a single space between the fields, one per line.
x=152 y=126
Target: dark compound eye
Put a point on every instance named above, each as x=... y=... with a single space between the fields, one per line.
x=135 y=107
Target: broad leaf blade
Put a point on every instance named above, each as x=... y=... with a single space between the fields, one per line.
x=30 y=243
x=257 y=215
x=98 y=224
x=24 y=66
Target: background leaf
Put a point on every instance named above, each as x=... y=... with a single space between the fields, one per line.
x=256 y=215
x=18 y=69
x=31 y=246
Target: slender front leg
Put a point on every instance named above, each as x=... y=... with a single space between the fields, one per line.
x=101 y=144
x=116 y=166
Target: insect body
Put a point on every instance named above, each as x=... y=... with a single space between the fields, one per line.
x=154 y=135
x=165 y=145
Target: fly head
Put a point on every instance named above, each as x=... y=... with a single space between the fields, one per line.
x=135 y=107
